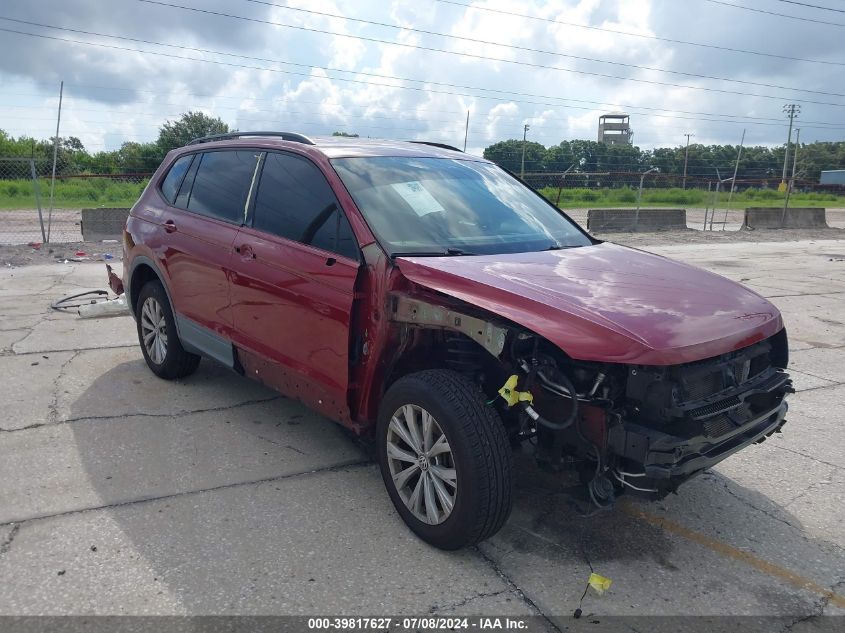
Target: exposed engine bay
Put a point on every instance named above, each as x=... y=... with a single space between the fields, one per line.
x=634 y=429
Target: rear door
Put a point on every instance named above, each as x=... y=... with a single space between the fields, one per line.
x=294 y=271
x=202 y=222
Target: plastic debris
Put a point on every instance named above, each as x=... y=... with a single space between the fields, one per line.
x=108 y=256
x=78 y=299
x=112 y=307
x=34 y=245
x=511 y=395
x=599 y=583
x=81 y=254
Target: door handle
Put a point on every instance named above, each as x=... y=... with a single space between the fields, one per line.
x=245 y=251
x=170 y=226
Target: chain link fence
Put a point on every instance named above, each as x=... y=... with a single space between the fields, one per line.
x=711 y=203
x=27 y=216
x=26 y=213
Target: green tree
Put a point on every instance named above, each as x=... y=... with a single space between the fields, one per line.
x=508 y=154
x=345 y=134
x=191 y=125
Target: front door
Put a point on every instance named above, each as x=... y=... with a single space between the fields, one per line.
x=292 y=285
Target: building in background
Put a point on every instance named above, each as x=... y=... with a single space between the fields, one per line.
x=615 y=129
x=832 y=177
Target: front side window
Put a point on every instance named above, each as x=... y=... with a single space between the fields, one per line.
x=295 y=201
x=439 y=206
x=221 y=184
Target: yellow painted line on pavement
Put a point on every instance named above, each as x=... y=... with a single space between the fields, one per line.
x=770 y=569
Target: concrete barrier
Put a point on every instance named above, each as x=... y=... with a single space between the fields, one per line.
x=628 y=220
x=774 y=218
x=103 y=224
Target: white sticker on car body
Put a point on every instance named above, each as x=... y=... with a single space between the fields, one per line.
x=417 y=197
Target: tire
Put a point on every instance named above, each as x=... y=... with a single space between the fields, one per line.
x=479 y=458
x=167 y=359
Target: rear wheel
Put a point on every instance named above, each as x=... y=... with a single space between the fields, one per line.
x=157 y=335
x=445 y=459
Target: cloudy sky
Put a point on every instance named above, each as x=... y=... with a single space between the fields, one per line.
x=413 y=68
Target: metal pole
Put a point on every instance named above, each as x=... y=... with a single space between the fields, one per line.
x=55 y=153
x=640 y=194
x=686 y=157
x=795 y=157
x=707 y=208
x=524 y=137
x=791 y=181
x=791 y=111
x=562 y=178
x=37 y=190
x=466 y=132
x=733 y=180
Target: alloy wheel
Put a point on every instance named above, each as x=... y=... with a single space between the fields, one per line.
x=154 y=330
x=421 y=464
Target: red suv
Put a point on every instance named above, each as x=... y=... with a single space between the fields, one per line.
x=430 y=300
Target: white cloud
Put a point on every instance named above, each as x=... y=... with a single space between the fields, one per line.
x=116 y=94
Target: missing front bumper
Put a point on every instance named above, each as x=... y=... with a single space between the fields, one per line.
x=667 y=460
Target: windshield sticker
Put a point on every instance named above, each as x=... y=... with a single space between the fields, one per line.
x=417 y=197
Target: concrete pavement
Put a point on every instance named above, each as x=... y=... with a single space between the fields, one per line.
x=124 y=494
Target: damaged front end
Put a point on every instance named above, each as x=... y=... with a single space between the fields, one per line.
x=646 y=429
x=626 y=428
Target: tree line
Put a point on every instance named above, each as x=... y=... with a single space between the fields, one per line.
x=704 y=161
x=140 y=158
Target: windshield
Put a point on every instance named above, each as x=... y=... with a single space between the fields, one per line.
x=441 y=206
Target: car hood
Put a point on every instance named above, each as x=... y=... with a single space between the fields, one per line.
x=607 y=302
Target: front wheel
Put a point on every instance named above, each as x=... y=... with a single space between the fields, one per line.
x=445 y=459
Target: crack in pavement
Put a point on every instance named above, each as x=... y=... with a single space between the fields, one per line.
x=6 y=545
x=184 y=412
x=350 y=463
x=818 y=608
x=721 y=479
x=823 y=482
x=437 y=608
x=514 y=587
x=53 y=407
x=815 y=459
x=71 y=349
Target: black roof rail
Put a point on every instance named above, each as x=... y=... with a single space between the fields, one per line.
x=286 y=136
x=440 y=145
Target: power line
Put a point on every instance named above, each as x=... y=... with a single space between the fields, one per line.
x=812 y=6
x=640 y=35
x=565 y=101
x=475 y=56
x=780 y=15
x=536 y=50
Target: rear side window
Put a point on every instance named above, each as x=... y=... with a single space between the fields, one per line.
x=221 y=184
x=171 y=182
x=295 y=201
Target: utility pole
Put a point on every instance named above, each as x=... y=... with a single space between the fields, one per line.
x=795 y=157
x=791 y=180
x=55 y=154
x=791 y=110
x=466 y=132
x=524 y=140
x=686 y=158
x=733 y=180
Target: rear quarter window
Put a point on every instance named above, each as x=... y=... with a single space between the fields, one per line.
x=170 y=184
